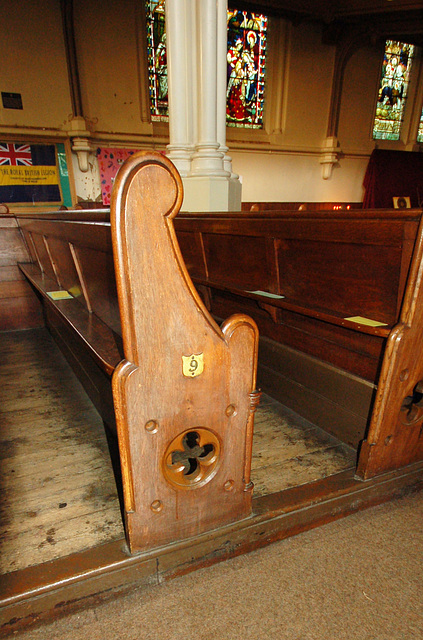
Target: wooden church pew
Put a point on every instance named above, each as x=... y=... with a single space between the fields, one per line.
x=320 y=269
x=299 y=206
x=72 y=251
x=179 y=390
x=338 y=297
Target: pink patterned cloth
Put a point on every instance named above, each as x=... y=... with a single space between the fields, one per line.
x=109 y=162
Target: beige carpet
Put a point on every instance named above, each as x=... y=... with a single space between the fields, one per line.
x=359 y=578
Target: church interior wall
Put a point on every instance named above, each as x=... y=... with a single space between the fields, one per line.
x=309 y=89
x=282 y=162
x=108 y=65
x=358 y=103
x=296 y=177
x=33 y=63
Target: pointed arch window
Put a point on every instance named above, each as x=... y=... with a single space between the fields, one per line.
x=157 y=62
x=393 y=88
x=246 y=66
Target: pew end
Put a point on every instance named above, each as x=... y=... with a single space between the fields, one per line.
x=182 y=393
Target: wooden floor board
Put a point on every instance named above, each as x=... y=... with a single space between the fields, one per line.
x=289 y=451
x=60 y=539
x=15 y=424
x=57 y=491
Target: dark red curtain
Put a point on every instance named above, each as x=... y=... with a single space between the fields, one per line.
x=390 y=174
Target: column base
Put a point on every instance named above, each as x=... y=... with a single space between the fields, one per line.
x=211 y=193
x=181 y=157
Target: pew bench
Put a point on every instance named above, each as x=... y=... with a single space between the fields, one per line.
x=178 y=390
x=338 y=301
x=133 y=313
x=329 y=292
x=311 y=281
x=299 y=206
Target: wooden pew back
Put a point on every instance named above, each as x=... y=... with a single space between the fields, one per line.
x=328 y=267
x=330 y=274
x=75 y=250
x=300 y=206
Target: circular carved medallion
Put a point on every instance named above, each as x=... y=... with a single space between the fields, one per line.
x=192 y=458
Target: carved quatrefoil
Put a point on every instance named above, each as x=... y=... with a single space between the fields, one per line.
x=412 y=406
x=192 y=458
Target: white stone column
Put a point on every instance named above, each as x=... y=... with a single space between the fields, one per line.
x=180 y=27
x=221 y=85
x=196 y=50
x=234 y=187
x=207 y=159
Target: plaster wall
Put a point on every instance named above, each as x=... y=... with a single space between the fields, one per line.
x=281 y=162
x=33 y=63
x=278 y=177
x=107 y=38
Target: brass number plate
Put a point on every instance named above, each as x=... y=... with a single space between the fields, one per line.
x=193 y=365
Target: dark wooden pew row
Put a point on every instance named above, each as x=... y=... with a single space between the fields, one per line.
x=19 y=308
x=302 y=276
x=335 y=294
x=338 y=298
x=300 y=206
x=178 y=390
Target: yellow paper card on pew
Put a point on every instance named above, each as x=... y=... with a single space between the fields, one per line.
x=366 y=321
x=59 y=295
x=266 y=294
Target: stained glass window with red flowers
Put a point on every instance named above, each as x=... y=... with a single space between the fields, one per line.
x=246 y=65
x=420 y=131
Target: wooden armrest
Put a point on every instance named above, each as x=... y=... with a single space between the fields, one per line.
x=104 y=345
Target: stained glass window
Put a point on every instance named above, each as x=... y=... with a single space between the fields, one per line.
x=157 y=64
x=246 y=61
x=420 y=132
x=396 y=69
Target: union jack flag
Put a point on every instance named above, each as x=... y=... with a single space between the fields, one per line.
x=15 y=154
